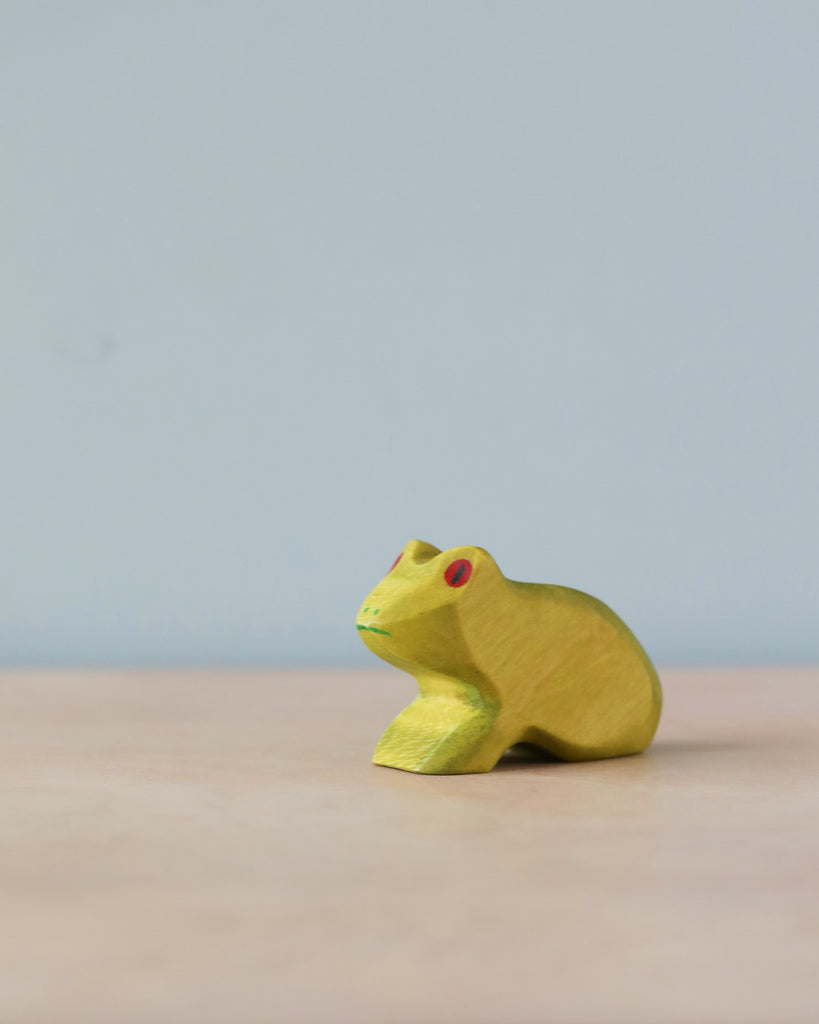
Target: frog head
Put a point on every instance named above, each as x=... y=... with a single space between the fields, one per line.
x=414 y=617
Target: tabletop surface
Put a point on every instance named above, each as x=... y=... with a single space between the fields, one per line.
x=215 y=847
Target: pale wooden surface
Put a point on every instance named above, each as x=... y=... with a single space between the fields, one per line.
x=208 y=847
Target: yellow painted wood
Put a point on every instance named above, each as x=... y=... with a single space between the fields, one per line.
x=499 y=662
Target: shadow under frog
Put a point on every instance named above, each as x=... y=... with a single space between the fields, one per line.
x=499 y=662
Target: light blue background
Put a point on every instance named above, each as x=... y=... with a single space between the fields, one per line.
x=285 y=285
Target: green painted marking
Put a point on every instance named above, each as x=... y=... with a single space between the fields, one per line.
x=372 y=629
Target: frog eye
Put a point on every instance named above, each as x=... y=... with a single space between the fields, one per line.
x=395 y=563
x=457 y=573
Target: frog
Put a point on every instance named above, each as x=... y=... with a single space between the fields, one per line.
x=500 y=663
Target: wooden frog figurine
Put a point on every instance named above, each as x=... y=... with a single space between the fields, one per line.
x=499 y=662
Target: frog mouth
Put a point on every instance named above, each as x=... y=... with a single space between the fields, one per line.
x=374 y=629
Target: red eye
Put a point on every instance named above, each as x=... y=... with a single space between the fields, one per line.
x=395 y=563
x=457 y=573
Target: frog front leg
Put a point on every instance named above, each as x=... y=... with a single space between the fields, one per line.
x=447 y=730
